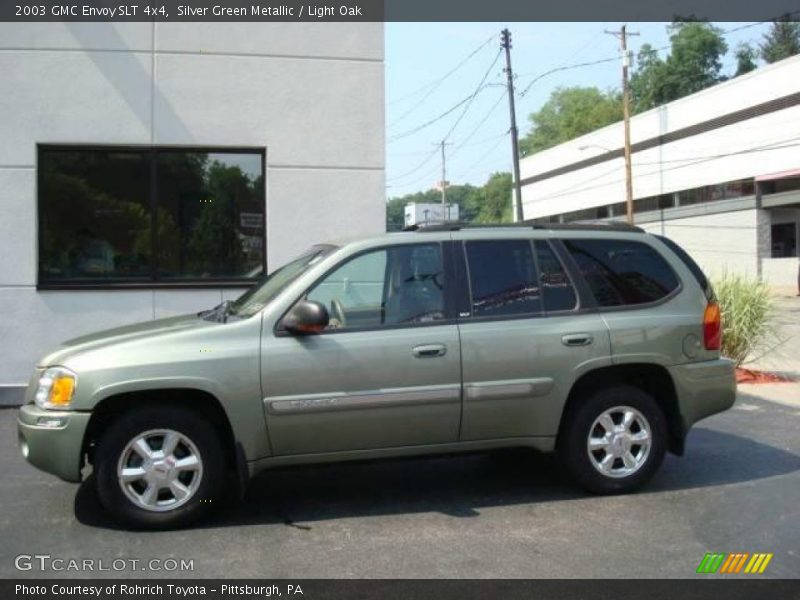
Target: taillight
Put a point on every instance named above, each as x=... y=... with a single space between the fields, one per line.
x=712 y=327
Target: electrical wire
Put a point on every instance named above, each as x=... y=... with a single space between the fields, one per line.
x=436 y=83
x=481 y=86
x=483 y=157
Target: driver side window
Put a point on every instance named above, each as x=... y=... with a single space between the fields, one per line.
x=391 y=286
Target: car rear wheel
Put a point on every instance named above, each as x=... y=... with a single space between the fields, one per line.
x=159 y=467
x=614 y=441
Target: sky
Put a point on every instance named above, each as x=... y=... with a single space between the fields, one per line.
x=420 y=54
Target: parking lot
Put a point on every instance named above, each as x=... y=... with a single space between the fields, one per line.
x=506 y=514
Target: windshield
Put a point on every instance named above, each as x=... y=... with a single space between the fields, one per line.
x=265 y=290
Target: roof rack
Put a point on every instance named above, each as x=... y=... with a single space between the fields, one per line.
x=574 y=226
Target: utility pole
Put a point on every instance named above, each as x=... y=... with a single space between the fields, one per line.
x=623 y=34
x=443 y=183
x=505 y=37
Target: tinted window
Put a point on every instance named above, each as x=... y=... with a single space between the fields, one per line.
x=691 y=265
x=622 y=272
x=142 y=215
x=503 y=278
x=210 y=215
x=94 y=216
x=557 y=289
x=403 y=285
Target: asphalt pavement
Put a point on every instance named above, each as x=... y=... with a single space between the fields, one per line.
x=502 y=514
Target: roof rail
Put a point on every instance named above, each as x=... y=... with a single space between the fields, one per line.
x=591 y=226
x=574 y=226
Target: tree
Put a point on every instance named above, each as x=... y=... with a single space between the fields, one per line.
x=570 y=113
x=694 y=63
x=746 y=57
x=494 y=200
x=781 y=41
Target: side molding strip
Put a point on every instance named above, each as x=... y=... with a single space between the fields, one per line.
x=509 y=388
x=287 y=405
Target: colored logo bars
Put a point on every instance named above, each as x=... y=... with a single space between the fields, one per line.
x=737 y=562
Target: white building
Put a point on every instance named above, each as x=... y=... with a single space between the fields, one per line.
x=152 y=169
x=717 y=171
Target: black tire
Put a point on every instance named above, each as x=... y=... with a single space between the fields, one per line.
x=573 y=438
x=130 y=424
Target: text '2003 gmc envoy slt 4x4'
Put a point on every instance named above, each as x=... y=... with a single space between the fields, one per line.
x=600 y=343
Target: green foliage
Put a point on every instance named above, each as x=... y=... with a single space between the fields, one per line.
x=569 y=113
x=746 y=306
x=694 y=63
x=492 y=202
x=746 y=57
x=781 y=41
x=489 y=203
x=214 y=246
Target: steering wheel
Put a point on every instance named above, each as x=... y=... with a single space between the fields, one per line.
x=337 y=312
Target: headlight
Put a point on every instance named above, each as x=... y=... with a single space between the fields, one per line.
x=56 y=387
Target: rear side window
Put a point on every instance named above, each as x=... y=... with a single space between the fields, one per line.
x=691 y=265
x=622 y=272
x=503 y=278
x=557 y=289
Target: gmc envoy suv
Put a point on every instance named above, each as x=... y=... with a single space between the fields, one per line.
x=598 y=342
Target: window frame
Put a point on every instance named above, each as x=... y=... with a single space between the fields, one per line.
x=154 y=282
x=449 y=292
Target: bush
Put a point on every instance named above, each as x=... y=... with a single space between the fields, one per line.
x=746 y=306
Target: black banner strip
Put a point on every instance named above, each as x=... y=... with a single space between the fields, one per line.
x=740 y=588
x=393 y=10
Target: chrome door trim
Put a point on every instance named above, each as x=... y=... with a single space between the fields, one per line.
x=385 y=398
x=509 y=388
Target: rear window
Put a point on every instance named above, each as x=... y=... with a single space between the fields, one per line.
x=622 y=272
x=691 y=265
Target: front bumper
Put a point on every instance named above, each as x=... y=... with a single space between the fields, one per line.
x=704 y=388
x=53 y=440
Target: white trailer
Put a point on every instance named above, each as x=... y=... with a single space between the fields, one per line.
x=424 y=213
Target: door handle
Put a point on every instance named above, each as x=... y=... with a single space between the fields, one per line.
x=429 y=350
x=577 y=339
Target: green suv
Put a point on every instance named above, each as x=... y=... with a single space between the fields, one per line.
x=600 y=343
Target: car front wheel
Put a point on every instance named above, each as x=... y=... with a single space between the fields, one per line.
x=614 y=441
x=159 y=467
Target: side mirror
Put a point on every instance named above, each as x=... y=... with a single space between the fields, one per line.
x=305 y=317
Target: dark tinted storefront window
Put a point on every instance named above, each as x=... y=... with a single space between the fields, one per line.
x=621 y=272
x=210 y=215
x=784 y=240
x=140 y=216
x=503 y=278
x=94 y=215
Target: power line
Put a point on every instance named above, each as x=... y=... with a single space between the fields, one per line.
x=450 y=110
x=435 y=87
x=477 y=128
x=488 y=153
x=424 y=162
x=482 y=85
x=443 y=78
